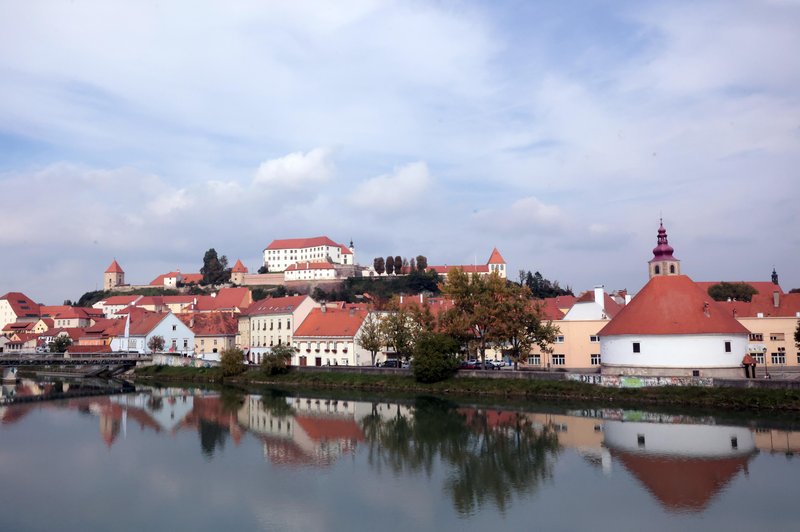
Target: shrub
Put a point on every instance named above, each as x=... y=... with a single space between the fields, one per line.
x=435 y=357
x=232 y=361
x=278 y=360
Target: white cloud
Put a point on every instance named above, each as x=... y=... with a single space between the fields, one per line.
x=403 y=188
x=296 y=170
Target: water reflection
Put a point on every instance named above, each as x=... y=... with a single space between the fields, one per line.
x=478 y=457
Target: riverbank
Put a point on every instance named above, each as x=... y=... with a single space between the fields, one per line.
x=541 y=390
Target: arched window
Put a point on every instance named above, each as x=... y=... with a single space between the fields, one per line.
x=658 y=270
x=671 y=268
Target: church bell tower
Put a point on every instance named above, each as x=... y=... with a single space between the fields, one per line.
x=663 y=263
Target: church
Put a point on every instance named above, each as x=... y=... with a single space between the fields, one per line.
x=672 y=328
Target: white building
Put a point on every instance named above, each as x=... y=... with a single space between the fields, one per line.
x=310 y=271
x=281 y=254
x=593 y=305
x=271 y=322
x=137 y=329
x=327 y=337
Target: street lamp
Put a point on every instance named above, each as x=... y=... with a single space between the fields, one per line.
x=766 y=369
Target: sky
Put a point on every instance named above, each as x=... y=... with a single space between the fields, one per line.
x=558 y=131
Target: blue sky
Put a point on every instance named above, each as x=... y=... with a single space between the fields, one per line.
x=556 y=131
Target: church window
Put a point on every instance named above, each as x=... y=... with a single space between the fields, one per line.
x=671 y=268
x=658 y=270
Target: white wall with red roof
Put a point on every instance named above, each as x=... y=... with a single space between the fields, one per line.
x=281 y=254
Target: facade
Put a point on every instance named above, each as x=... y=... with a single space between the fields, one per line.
x=271 y=322
x=310 y=271
x=213 y=332
x=16 y=306
x=281 y=254
x=134 y=333
x=114 y=304
x=328 y=337
x=114 y=276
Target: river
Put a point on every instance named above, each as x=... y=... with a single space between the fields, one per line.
x=189 y=459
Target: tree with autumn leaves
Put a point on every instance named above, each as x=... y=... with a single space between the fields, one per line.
x=492 y=312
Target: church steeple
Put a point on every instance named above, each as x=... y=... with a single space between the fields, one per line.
x=663 y=263
x=774 y=276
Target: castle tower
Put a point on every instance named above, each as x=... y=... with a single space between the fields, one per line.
x=237 y=272
x=352 y=251
x=774 y=276
x=497 y=263
x=663 y=263
x=114 y=276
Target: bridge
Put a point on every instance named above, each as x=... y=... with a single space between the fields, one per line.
x=109 y=364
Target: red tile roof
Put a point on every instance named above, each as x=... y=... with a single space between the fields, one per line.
x=327 y=429
x=788 y=306
x=192 y=278
x=239 y=267
x=763 y=287
x=211 y=323
x=120 y=300
x=467 y=268
x=187 y=278
x=551 y=309
x=333 y=322
x=496 y=258
x=306 y=265
x=672 y=304
x=300 y=243
x=115 y=268
x=275 y=305
x=22 y=305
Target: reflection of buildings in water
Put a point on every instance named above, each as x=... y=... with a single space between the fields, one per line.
x=584 y=434
x=683 y=466
x=303 y=431
x=777 y=441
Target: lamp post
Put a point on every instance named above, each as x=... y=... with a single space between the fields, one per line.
x=766 y=369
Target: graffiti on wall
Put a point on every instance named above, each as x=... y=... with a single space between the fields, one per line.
x=615 y=381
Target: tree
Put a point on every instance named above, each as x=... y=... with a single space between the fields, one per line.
x=371 y=337
x=521 y=327
x=263 y=269
x=156 y=344
x=398 y=330
x=232 y=361
x=797 y=335
x=60 y=344
x=215 y=269
x=540 y=287
x=422 y=263
x=435 y=357
x=68 y=303
x=412 y=265
x=477 y=306
x=278 y=359
x=379 y=265
x=398 y=265
x=737 y=291
x=389 y=265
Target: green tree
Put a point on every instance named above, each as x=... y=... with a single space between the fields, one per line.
x=398 y=330
x=478 y=307
x=398 y=265
x=232 y=361
x=797 y=335
x=435 y=357
x=389 y=265
x=60 y=344
x=379 y=265
x=422 y=263
x=263 y=269
x=155 y=344
x=522 y=327
x=737 y=291
x=412 y=265
x=371 y=337
x=277 y=361
x=215 y=269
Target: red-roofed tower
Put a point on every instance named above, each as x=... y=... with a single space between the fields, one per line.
x=663 y=263
x=237 y=272
x=114 y=276
x=497 y=263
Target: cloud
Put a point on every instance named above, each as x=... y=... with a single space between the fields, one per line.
x=403 y=188
x=296 y=170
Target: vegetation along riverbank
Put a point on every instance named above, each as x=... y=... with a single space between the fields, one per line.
x=543 y=390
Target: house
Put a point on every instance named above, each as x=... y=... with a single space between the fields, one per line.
x=213 y=332
x=113 y=304
x=496 y=264
x=66 y=317
x=269 y=322
x=280 y=254
x=328 y=336
x=16 y=306
x=176 y=279
x=311 y=271
x=133 y=333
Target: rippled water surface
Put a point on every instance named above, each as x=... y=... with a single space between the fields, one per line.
x=182 y=459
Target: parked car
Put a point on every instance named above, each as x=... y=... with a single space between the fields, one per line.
x=391 y=363
x=469 y=364
x=494 y=364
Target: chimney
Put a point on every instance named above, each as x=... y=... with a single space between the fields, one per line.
x=627 y=298
x=323 y=307
x=706 y=310
x=352 y=311
x=191 y=323
x=401 y=299
x=776 y=299
x=599 y=296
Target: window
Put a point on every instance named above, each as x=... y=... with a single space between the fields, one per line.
x=756 y=337
x=560 y=339
x=777 y=337
x=636 y=347
x=658 y=270
x=279 y=324
x=559 y=360
x=595 y=360
x=759 y=357
x=174 y=327
x=594 y=338
x=185 y=343
x=780 y=356
x=671 y=268
x=727 y=347
x=536 y=360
